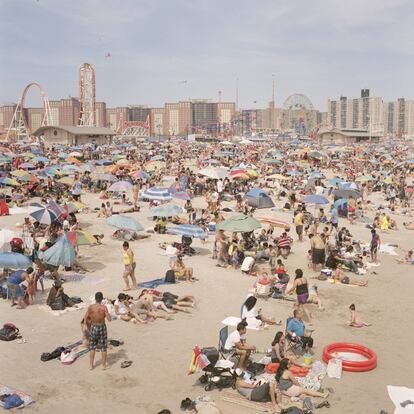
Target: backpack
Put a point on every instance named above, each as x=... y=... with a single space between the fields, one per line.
x=169 y=276
x=9 y=332
x=48 y=356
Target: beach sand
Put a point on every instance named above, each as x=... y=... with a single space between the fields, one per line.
x=161 y=351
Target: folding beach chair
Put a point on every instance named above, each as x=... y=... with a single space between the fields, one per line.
x=293 y=345
x=223 y=352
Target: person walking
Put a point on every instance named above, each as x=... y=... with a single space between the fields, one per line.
x=130 y=265
x=98 y=335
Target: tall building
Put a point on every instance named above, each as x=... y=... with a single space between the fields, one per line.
x=65 y=112
x=100 y=114
x=6 y=116
x=158 y=126
x=399 y=117
x=34 y=117
x=358 y=113
x=116 y=117
x=204 y=116
x=138 y=113
x=178 y=118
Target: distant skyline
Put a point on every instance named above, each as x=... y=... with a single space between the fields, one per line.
x=155 y=51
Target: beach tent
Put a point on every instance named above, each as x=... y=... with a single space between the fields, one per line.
x=258 y=198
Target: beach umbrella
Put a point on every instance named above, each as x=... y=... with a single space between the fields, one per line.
x=239 y=223
x=182 y=195
x=41 y=159
x=65 y=180
x=152 y=166
x=9 y=181
x=61 y=253
x=104 y=162
x=316 y=154
x=56 y=208
x=258 y=198
x=76 y=154
x=5 y=160
x=122 y=161
x=294 y=173
x=214 y=173
x=124 y=222
x=73 y=160
x=364 y=178
x=27 y=155
x=189 y=230
x=340 y=202
x=81 y=238
x=346 y=193
x=14 y=260
x=120 y=186
x=51 y=171
x=315 y=199
x=252 y=173
x=74 y=206
x=44 y=215
x=157 y=158
x=279 y=177
x=166 y=210
x=140 y=174
x=27 y=165
x=335 y=181
x=20 y=174
x=273 y=221
x=103 y=177
x=156 y=193
x=239 y=175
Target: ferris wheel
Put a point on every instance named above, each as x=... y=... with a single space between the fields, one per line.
x=298 y=101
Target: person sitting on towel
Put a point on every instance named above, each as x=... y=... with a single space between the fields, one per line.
x=57 y=298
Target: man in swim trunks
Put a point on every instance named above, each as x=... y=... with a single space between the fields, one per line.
x=98 y=339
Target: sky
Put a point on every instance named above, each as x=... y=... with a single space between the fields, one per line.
x=170 y=50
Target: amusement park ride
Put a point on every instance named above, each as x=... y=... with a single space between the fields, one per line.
x=19 y=129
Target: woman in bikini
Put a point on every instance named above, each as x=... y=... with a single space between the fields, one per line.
x=130 y=265
x=302 y=292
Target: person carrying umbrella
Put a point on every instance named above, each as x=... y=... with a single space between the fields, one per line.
x=14 y=286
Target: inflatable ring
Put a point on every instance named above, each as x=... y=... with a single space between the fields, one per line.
x=347 y=365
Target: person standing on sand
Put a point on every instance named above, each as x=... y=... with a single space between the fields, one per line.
x=129 y=263
x=98 y=334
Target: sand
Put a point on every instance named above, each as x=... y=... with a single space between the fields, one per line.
x=161 y=351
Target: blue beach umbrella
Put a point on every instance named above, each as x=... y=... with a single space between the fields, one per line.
x=124 y=223
x=315 y=199
x=14 y=260
x=120 y=186
x=166 y=210
x=61 y=253
x=189 y=230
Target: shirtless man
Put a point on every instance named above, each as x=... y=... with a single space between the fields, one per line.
x=318 y=251
x=98 y=338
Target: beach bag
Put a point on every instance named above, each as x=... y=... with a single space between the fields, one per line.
x=334 y=369
x=67 y=357
x=48 y=356
x=58 y=304
x=169 y=276
x=9 y=332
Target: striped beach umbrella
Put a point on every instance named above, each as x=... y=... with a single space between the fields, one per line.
x=44 y=215
x=273 y=221
x=166 y=210
x=124 y=223
x=156 y=193
x=189 y=230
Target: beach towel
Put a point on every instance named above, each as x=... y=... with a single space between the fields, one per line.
x=61 y=312
x=399 y=395
x=152 y=284
x=27 y=399
x=233 y=321
x=74 y=278
x=387 y=248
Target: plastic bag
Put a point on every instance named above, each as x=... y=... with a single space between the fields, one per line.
x=334 y=368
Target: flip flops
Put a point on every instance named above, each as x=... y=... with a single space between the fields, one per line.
x=126 y=364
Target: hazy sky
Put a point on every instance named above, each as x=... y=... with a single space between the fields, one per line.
x=322 y=48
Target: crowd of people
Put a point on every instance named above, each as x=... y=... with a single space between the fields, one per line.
x=320 y=193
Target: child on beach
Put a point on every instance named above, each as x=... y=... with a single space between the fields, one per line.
x=355 y=321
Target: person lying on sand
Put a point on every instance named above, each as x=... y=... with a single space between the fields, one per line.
x=171 y=301
x=408 y=258
x=122 y=310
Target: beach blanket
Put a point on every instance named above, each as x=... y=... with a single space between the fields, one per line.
x=61 y=312
x=235 y=398
x=74 y=278
x=152 y=284
x=233 y=321
x=387 y=248
x=399 y=395
x=27 y=399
